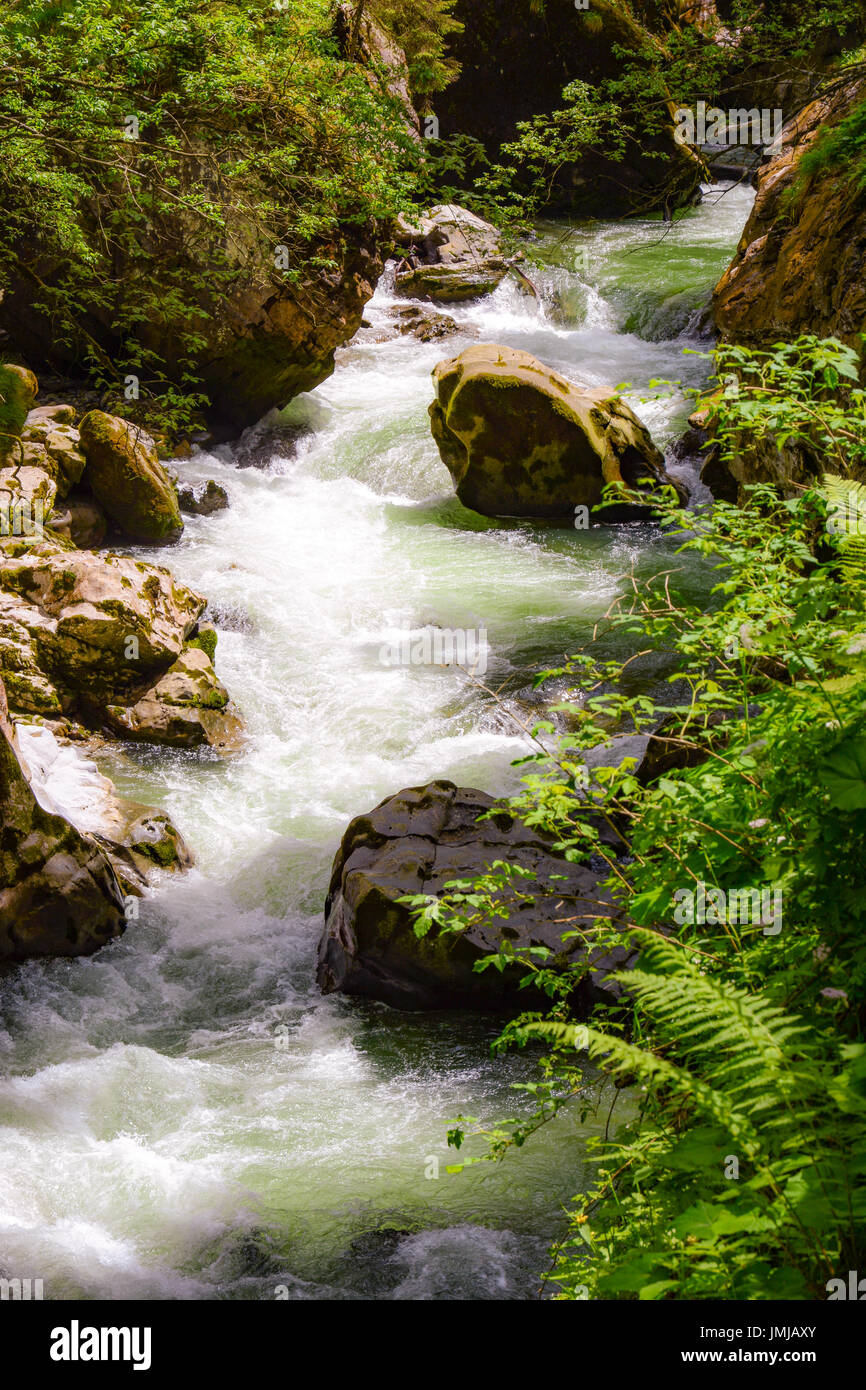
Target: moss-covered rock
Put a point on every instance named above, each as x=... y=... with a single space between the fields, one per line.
x=18 y=388
x=128 y=480
x=100 y=622
x=188 y=707
x=205 y=638
x=103 y=638
x=521 y=440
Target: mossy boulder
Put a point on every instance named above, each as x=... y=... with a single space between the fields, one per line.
x=127 y=479
x=205 y=638
x=520 y=440
x=417 y=841
x=188 y=707
x=18 y=388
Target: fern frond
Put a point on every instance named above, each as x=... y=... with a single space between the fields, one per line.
x=624 y=1059
x=846 y=501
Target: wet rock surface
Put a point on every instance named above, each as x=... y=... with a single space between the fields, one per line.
x=417 y=841
x=521 y=440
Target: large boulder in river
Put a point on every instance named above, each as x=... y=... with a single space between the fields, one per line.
x=416 y=842
x=520 y=440
x=128 y=480
x=59 y=895
x=451 y=255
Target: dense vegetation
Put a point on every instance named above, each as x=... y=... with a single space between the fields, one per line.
x=154 y=156
x=633 y=65
x=742 y=1174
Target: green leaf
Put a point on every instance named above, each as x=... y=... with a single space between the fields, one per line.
x=844 y=774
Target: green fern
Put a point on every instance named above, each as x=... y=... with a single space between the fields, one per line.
x=846 y=505
x=728 y=1075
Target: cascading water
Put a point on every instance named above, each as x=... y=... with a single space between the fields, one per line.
x=183 y=1115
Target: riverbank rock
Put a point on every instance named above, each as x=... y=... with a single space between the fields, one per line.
x=799 y=268
x=520 y=440
x=203 y=499
x=40 y=459
x=113 y=641
x=127 y=479
x=81 y=521
x=417 y=841
x=59 y=896
x=188 y=707
x=451 y=255
x=135 y=839
x=18 y=388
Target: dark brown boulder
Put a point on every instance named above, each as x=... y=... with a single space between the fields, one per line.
x=417 y=841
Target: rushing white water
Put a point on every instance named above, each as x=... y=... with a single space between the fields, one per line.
x=183 y=1115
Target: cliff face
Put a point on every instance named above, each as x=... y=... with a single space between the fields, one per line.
x=515 y=61
x=801 y=263
x=59 y=895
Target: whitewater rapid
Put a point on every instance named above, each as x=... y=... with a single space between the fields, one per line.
x=183 y=1116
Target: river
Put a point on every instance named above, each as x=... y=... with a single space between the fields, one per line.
x=183 y=1115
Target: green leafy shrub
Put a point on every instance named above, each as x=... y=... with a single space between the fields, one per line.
x=153 y=156
x=742 y=1174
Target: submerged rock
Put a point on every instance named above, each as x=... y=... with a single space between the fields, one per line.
x=203 y=499
x=127 y=479
x=450 y=256
x=417 y=841
x=59 y=895
x=520 y=440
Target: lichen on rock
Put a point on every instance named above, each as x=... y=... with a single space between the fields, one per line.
x=520 y=440
x=127 y=479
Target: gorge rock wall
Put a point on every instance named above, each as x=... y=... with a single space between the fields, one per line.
x=517 y=59
x=800 y=266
